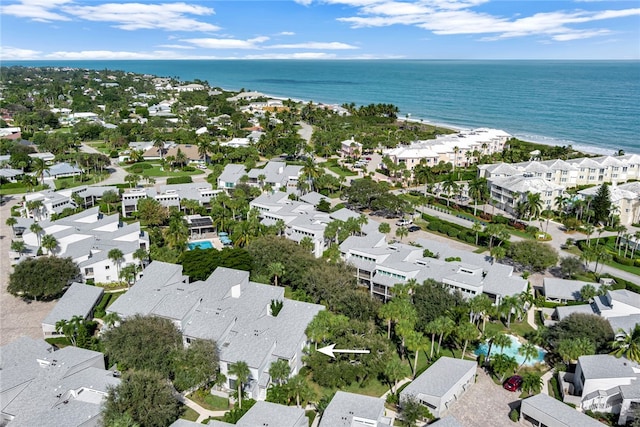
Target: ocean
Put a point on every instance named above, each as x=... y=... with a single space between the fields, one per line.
x=592 y=105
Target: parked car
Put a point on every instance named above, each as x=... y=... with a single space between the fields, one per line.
x=404 y=222
x=368 y=159
x=513 y=383
x=413 y=228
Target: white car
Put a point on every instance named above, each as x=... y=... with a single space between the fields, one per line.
x=404 y=222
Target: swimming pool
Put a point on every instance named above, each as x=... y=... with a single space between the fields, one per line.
x=203 y=244
x=512 y=351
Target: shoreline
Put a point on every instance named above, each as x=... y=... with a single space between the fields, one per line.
x=523 y=136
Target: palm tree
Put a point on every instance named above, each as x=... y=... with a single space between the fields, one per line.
x=476 y=228
x=478 y=191
x=416 y=342
x=116 y=256
x=177 y=233
x=241 y=371
x=110 y=319
x=502 y=365
x=466 y=332
x=499 y=340
x=18 y=246
x=508 y=306
x=276 y=269
x=159 y=144
x=280 y=371
x=50 y=243
x=141 y=255
x=533 y=204
x=394 y=371
x=529 y=351
x=299 y=387
x=480 y=306
x=531 y=383
x=37 y=230
x=627 y=345
x=384 y=228
x=39 y=167
x=444 y=327
x=402 y=232
x=70 y=328
x=311 y=171
x=11 y=222
x=636 y=236
x=588 y=230
x=450 y=186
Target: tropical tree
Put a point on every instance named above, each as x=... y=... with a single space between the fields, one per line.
x=402 y=232
x=501 y=365
x=109 y=198
x=18 y=246
x=70 y=328
x=450 y=186
x=394 y=372
x=528 y=351
x=533 y=205
x=280 y=371
x=50 y=243
x=444 y=326
x=587 y=292
x=311 y=171
x=570 y=349
x=116 y=256
x=416 y=342
x=307 y=244
x=12 y=221
x=508 y=306
x=531 y=383
x=479 y=191
x=466 y=332
x=141 y=255
x=300 y=389
x=276 y=269
x=39 y=167
x=476 y=227
x=37 y=230
x=499 y=340
x=384 y=227
x=241 y=371
x=627 y=345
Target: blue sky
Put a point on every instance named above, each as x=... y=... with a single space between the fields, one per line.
x=319 y=29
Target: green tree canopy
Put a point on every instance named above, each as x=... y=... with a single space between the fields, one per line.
x=579 y=325
x=144 y=342
x=42 y=278
x=533 y=255
x=145 y=397
x=200 y=263
x=151 y=212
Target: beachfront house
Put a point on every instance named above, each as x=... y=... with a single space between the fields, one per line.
x=441 y=384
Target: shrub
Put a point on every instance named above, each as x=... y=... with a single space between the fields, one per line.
x=188 y=169
x=114 y=154
x=622 y=260
x=392 y=399
x=179 y=180
x=514 y=415
x=452 y=232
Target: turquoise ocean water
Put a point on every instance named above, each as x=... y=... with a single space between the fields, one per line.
x=593 y=105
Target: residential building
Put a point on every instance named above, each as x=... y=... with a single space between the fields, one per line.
x=441 y=384
x=261 y=414
x=379 y=266
x=87 y=238
x=603 y=383
x=54 y=202
x=625 y=200
x=230 y=310
x=277 y=175
x=230 y=176
x=351 y=410
x=350 y=148
x=620 y=306
x=168 y=195
x=43 y=387
x=447 y=421
x=62 y=170
x=542 y=410
x=78 y=300
x=508 y=182
x=563 y=290
x=302 y=219
x=460 y=149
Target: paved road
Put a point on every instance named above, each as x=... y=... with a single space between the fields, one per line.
x=17 y=317
x=117 y=172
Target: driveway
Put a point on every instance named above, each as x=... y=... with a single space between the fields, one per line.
x=17 y=317
x=484 y=404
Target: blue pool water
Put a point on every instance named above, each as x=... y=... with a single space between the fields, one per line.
x=205 y=244
x=511 y=351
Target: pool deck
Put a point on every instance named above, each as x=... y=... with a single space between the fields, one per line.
x=215 y=241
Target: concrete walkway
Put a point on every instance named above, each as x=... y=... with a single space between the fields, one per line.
x=204 y=414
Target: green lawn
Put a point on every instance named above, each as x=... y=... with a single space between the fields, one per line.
x=17 y=188
x=189 y=414
x=337 y=169
x=77 y=181
x=157 y=171
x=210 y=402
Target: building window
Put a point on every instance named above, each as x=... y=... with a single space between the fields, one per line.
x=106 y=267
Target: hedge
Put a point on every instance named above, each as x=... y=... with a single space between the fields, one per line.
x=179 y=180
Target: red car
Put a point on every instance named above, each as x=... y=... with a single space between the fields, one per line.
x=513 y=383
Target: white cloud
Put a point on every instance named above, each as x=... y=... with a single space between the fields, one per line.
x=37 y=10
x=138 y=16
x=15 y=53
x=299 y=55
x=314 y=45
x=110 y=54
x=450 y=17
x=175 y=46
x=215 y=43
x=286 y=33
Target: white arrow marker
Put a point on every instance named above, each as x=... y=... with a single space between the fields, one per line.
x=330 y=350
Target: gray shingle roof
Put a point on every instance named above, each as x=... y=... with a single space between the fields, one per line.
x=565 y=289
x=438 y=379
x=266 y=414
x=344 y=406
x=600 y=366
x=447 y=421
x=78 y=300
x=564 y=414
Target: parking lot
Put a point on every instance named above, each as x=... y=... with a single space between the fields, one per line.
x=485 y=404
